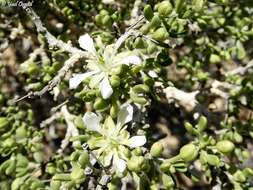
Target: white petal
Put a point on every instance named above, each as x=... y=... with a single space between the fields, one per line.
x=119 y=163
x=152 y=74
x=78 y=78
x=91 y=121
x=125 y=114
x=136 y=141
x=105 y=88
x=87 y=43
x=133 y=59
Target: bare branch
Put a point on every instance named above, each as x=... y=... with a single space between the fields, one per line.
x=240 y=70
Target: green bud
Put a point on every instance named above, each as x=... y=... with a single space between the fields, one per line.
x=114 y=110
x=137 y=99
x=115 y=81
x=74 y=156
x=79 y=122
x=84 y=159
x=55 y=185
x=107 y=21
x=77 y=174
x=213 y=160
x=239 y=176
x=141 y=88
x=104 y=12
x=36 y=185
x=165 y=166
x=237 y=137
x=11 y=168
x=100 y=105
x=21 y=133
x=33 y=68
x=98 y=19
x=167 y=181
x=151 y=48
x=198 y=5
x=139 y=43
x=5 y=165
x=160 y=34
x=188 y=152
x=248 y=172
x=145 y=28
x=202 y=124
x=22 y=161
x=225 y=146
x=214 y=58
x=38 y=156
x=3 y=123
x=61 y=177
x=188 y=126
x=148 y=12
x=156 y=149
x=155 y=22
x=136 y=163
x=164 y=8
x=137 y=151
x=50 y=168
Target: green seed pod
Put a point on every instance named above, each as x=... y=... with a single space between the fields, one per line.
x=156 y=149
x=164 y=8
x=136 y=163
x=155 y=22
x=3 y=123
x=225 y=146
x=115 y=81
x=84 y=159
x=148 y=12
x=160 y=34
x=167 y=181
x=214 y=58
x=202 y=124
x=188 y=152
x=100 y=105
x=55 y=185
x=77 y=174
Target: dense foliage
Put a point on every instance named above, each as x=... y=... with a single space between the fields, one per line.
x=113 y=94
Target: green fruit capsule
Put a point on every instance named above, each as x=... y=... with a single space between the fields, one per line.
x=188 y=152
x=225 y=146
x=165 y=8
x=148 y=12
x=160 y=34
x=84 y=159
x=156 y=149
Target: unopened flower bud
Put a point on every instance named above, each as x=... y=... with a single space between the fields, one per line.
x=188 y=152
x=148 y=12
x=156 y=149
x=225 y=146
x=164 y=8
x=167 y=181
x=160 y=34
x=83 y=159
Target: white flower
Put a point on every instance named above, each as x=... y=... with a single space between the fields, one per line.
x=113 y=141
x=100 y=65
